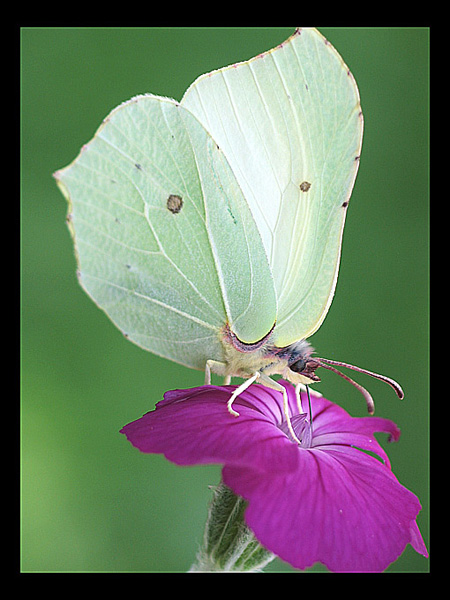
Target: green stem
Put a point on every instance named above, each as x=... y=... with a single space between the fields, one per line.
x=228 y=544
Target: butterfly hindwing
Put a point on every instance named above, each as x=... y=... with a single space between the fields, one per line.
x=165 y=241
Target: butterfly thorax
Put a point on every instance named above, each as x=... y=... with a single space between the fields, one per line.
x=292 y=362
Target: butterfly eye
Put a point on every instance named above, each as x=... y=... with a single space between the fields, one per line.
x=298 y=366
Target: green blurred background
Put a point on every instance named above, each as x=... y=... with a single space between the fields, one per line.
x=91 y=502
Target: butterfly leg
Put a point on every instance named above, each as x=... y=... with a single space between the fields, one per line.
x=247 y=383
x=274 y=385
x=216 y=367
x=298 y=388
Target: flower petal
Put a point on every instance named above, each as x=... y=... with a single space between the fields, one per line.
x=193 y=426
x=343 y=509
x=333 y=425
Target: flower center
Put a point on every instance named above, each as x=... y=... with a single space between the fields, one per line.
x=302 y=429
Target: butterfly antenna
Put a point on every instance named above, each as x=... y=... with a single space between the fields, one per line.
x=326 y=364
x=394 y=385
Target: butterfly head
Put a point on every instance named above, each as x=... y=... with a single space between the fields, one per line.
x=301 y=365
x=302 y=369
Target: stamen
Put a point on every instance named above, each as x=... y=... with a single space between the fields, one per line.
x=364 y=392
x=302 y=428
x=394 y=385
x=288 y=418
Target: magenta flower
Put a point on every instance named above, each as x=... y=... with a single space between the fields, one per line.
x=333 y=499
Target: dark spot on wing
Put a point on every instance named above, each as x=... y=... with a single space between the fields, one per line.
x=174 y=203
x=304 y=186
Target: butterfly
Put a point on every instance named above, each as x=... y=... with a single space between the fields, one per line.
x=209 y=230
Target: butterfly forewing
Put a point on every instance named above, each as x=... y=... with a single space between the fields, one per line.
x=289 y=122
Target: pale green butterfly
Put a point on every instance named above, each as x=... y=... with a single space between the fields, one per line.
x=210 y=230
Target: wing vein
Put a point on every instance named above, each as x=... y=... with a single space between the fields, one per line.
x=154 y=301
